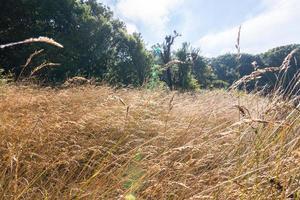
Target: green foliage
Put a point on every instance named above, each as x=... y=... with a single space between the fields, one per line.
x=164 y=53
x=4 y=77
x=183 y=77
x=154 y=80
x=274 y=57
x=130 y=197
x=188 y=70
x=288 y=79
x=225 y=67
x=194 y=71
x=203 y=73
x=219 y=84
x=96 y=44
x=133 y=61
x=228 y=68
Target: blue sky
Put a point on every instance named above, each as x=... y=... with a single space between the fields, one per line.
x=212 y=25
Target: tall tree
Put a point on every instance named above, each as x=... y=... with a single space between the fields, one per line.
x=166 y=57
x=94 y=41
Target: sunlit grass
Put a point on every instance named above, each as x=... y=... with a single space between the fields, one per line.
x=100 y=143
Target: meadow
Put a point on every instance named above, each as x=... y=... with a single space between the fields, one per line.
x=98 y=115
x=93 y=142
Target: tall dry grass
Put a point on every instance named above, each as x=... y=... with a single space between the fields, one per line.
x=100 y=143
x=36 y=69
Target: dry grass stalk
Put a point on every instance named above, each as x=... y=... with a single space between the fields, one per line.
x=28 y=62
x=237 y=45
x=42 y=66
x=171 y=63
x=255 y=75
x=34 y=40
x=243 y=110
x=258 y=73
x=31 y=56
x=286 y=63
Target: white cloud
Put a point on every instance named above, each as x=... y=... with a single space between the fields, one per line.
x=151 y=14
x=278 y=25
x=131 y=28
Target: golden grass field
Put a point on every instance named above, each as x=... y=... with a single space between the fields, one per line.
x=100 y=143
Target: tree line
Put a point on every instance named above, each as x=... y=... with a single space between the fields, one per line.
x=97 y=45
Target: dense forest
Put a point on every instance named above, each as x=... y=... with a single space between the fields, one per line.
x=98 y=46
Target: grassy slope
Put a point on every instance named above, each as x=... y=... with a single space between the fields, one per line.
x=96 y=143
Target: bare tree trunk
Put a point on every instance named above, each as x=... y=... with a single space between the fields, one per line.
x=169 y=78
